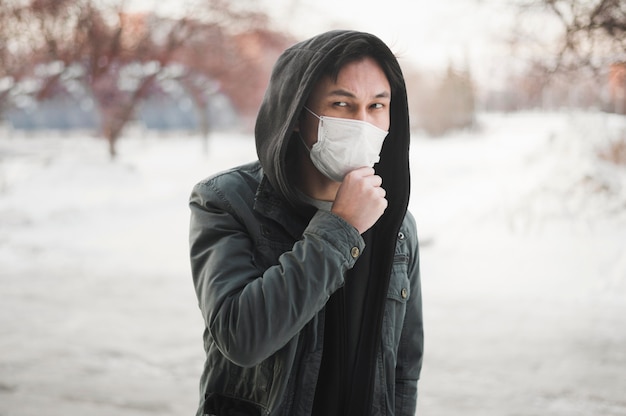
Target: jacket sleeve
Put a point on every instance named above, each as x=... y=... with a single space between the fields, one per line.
x=411 y=347
x=251 y=313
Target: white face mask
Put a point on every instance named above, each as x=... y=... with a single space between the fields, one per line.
x=344 y=145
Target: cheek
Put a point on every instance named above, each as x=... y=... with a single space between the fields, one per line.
x=309 y=132
x=383 y=122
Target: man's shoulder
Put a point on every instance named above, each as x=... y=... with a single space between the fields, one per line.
x=250 y=173
x=408 y=223
x=239 y=180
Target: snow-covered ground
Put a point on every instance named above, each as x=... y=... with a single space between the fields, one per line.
x=523 y=257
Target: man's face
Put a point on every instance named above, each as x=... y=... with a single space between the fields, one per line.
x=361 y=92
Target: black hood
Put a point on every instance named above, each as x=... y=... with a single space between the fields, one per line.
x=294 y=75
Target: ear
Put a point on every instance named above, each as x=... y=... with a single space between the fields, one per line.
x=300 y=121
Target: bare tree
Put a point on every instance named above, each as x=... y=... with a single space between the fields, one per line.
x=235 y=48
x=593 y=32
x=574 y=34
x=446 y=104
x=123 y=57
x=8 y=64
x=31 y=40
x=118 y=57
x=576 y=43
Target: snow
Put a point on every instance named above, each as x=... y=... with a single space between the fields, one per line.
x=524 y=274
x=523 y=230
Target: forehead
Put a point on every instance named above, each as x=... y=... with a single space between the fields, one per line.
x=363 y=78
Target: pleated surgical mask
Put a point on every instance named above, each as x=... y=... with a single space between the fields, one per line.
x=344 y=145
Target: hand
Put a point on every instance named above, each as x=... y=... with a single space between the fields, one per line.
x=360 y=199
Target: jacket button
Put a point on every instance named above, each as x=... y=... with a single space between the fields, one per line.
x=404 y=293
x=355 y=252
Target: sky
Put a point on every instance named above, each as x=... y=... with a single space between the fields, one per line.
x=429 y=35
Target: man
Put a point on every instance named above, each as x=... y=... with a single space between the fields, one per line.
x=305 y=263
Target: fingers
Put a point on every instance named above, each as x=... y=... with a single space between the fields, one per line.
x=361 y=198
x=366 y=173
x=362 y=172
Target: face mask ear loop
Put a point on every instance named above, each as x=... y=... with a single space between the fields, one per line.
x=299 y=134
x=309 y=110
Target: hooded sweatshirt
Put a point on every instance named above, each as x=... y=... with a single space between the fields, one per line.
x=354 y=313
x=264 y=332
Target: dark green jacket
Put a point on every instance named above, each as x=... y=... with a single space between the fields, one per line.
x=268 y=269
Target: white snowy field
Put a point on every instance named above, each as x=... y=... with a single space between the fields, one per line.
x=523 y=257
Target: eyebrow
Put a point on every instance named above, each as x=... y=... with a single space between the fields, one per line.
x=344 y=93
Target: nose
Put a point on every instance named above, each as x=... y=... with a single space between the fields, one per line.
x=361 y=114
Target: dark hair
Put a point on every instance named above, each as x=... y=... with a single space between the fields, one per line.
x=361 y=48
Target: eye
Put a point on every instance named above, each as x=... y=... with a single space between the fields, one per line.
x=340 y=104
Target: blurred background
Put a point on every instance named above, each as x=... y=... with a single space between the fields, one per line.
x=110 y=111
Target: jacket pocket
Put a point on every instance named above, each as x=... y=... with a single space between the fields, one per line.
x=398 y=295
x=399 y=284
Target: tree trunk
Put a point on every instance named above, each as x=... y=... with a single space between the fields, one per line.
x=112 y=150
x=203 y=125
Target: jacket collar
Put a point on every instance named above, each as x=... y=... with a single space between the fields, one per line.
x=270 y=204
